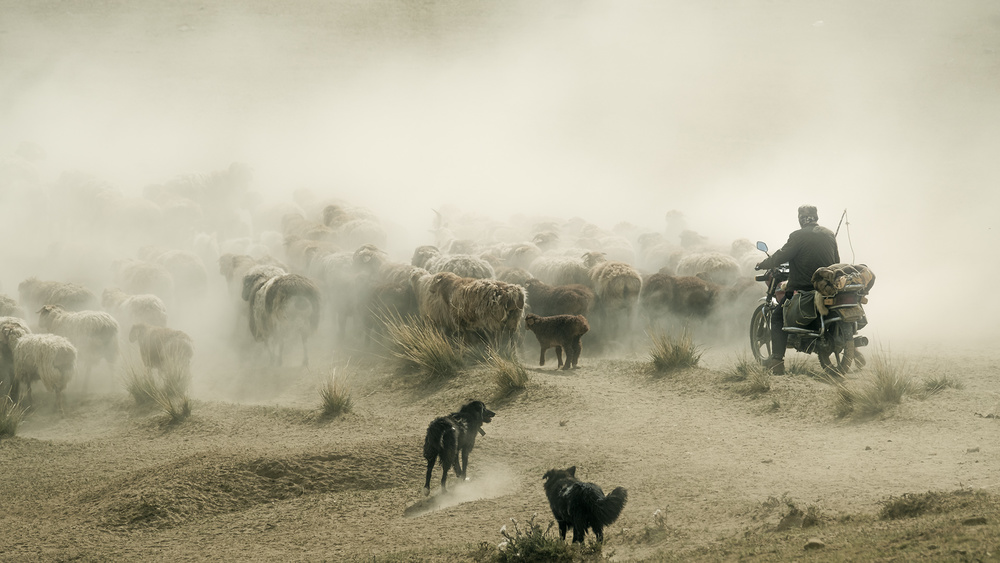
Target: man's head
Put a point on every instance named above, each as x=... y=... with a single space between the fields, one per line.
x=807 y=215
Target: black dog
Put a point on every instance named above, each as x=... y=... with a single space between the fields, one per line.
x=449 y=435
x=581 y=505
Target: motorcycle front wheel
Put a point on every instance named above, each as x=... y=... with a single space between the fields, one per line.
x=760 y=333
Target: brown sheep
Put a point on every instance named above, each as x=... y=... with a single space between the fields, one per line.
x=164 y=349
x=561 y=332
x=546 y=300
x=683 y=296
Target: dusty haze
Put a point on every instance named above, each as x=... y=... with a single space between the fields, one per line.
x=734 y=113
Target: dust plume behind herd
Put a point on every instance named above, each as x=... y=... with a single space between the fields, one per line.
x=516 y=113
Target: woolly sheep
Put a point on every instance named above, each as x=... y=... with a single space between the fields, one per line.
x=560 y=270
x=713 y=266
x=33 y=293
x=139 y=277
x=616 y=286
x=561 y=332
x=433 y=292
x=46 y=357
x=94 y=334
x=463 y=265
x=11 y=328
x=281 y=306
x=546 y=300
x=186 y=269
x=490 y=308
x=165 y=350
x=683 y=296
x=10 y=308
x=133 y=309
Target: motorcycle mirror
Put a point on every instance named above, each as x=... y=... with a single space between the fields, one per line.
x=762 y=246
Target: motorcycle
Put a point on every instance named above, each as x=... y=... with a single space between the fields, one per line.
x=830 y=334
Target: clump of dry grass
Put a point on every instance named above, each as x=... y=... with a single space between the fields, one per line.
x=508 y=372
x=169 y=393
x=755 y=378
x=936 y=385
x=335 y=397
x=670 y=353
x=883 y=386
x=11 y=416
x=420 y=344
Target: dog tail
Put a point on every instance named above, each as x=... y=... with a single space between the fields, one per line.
x=608 y=509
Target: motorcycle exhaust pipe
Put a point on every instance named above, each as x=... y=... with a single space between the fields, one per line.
x=860 y=341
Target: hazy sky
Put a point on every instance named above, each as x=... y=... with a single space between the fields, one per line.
x=733 y=112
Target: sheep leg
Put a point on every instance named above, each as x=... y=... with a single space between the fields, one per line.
x=541 y=359
x=60 y=406
x=305 y=351
x=559 y=356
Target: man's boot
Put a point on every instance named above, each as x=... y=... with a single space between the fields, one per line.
x=775 y=365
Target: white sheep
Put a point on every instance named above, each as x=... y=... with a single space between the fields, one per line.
x=715 y=267
x=11 y=328
x=617 y=286
x=139 y=277
x=46 y=357
x=34 y=293
x=94 y=334
x=133 y=309
x=560 y=270
x=10 y=308
x=281 y=306
x=463 y=265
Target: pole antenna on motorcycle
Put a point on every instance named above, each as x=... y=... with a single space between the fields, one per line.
x=848 y=224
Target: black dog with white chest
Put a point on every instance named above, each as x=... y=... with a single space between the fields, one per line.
x=581 y=505
x=449 y=436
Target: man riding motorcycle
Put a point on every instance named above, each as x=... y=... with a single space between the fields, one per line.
x=809 y=248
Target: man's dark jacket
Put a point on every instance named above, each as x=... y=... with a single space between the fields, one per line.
x=807 y=249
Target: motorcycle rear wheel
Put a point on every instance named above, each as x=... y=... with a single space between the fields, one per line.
x=844 y=359
x=760 y=333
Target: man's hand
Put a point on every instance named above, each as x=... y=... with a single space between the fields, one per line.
x=757 y=266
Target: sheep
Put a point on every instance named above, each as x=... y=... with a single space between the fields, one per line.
x=140 y=277
x=464 y=265
x=46 y=357
x=433 y=292
x=617 y=286
x=133 y=309
x=515 y=255
x=186 y=269
x=281 y=305
x=388 y=301
x=546 y=300
x=713 y=266
x=560 y=270
x=490 y=308
x=516 y=276
x=424 y=254
x=164 y=349
x=300 y=252
x=33 y=293
x=561 y=332
x=683 y=296
x=10 y=308
x=11 y=328
x=94 y=334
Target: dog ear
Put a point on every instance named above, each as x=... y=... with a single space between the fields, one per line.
x=572 y=471
x=548 y=474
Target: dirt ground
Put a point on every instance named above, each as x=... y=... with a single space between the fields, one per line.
x=267 y=479
x=255 y=474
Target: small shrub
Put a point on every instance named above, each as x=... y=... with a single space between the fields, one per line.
x=169 y=393
x=335 y=397
x=884 y=387
x=509 y=374
x=534 y=544
x=671 y=353
x=755 y=378
x=908 y=505
x=418 y=343
x=938 y=384
x=801 y=365
x=139 y=382
x=11 y=416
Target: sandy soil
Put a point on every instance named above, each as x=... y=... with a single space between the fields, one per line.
x=274 y=481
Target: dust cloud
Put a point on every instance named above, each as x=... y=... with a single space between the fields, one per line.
x=733 y=113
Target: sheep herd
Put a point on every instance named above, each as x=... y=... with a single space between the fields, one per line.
x=271 y=279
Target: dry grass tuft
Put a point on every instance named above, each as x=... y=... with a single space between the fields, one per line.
x=335 y=397
x=419 y=344
x=168 y=392
x=669 y=353
x=755 y=378
x=11 y=416
x=883 y=386
x=936 y=385
x=508 y=372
